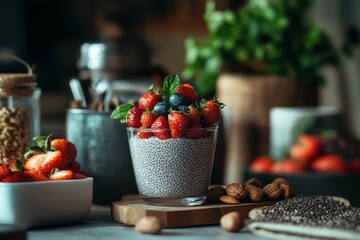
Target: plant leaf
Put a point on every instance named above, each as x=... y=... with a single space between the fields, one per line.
x=19 y=165
x=40 y=141
x=121 y=112
x=47 y=146
x=170 y=85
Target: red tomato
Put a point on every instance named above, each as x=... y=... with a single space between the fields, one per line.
x=261 y=164
x=286 y=166
x=354 y=165
x=330 y=163
x=307 y=148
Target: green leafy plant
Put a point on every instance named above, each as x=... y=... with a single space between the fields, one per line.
x=263 y=37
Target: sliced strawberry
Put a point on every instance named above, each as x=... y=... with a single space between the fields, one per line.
x=148 y=100
x=195 y=131
x=35 y=176
x=4 y=171
x=79 y=176
x=52 y=160
x=147 y=118
x=188 y=91
x=11 y=163
x=67 y=149
x=144 y=134
x=178 y=123
x=133 y=119
x=159 y=125
x=15 y=177
x=34 y=163
x=194 y=115
x=62 y=175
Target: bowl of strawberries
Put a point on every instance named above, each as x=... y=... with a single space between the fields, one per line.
x=46 y=188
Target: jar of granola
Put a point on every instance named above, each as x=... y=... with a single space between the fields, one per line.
x=19 y=112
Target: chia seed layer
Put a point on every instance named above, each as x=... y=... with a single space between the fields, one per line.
x=173 y=168
x=316 y=211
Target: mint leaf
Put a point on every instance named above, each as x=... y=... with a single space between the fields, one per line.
x=170 y=86
x=121 y=112
x=19 y=165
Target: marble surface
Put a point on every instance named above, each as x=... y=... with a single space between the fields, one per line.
x=99 y=225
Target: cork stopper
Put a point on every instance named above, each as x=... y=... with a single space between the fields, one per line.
x=17 y=84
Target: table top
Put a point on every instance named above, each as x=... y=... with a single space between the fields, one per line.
x=99 y=225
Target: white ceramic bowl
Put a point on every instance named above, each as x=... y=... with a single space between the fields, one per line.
x=40 y=204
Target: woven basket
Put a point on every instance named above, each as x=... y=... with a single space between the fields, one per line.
x=249 y=100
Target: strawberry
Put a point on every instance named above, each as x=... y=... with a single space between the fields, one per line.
x=34 y=163
x=194 y=115
x=52 y=160
x=4 y=171
x=15 y=177
x=79 y=176
x=74 y=166
x=67 y=149
x=178 y=122
x=11 y=163
x=133 y=119
x=148 y=100
x=35 y=176
x=189 y=92
x=210 y=112
x=61 y=175
x=144 y=134
x=195 y=131
x=147 y=118
x=159 y=124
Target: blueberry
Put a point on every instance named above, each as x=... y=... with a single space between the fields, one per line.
x=183 y=108
x=162 y=108
x=177 y=100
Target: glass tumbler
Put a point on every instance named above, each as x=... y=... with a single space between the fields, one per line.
x=173 y=171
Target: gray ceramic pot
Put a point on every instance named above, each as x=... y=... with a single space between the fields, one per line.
x=103 y=152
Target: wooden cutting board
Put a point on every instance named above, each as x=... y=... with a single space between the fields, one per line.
x=129 y=212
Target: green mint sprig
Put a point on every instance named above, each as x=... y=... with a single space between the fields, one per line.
x=121 y=112
x=170 y=86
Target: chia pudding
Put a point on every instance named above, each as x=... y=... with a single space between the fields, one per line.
x=172 y=168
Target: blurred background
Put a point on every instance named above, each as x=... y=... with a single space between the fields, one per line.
x=151 y=38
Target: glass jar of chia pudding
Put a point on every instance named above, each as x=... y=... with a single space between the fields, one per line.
x=173 y=171
x=19 y=112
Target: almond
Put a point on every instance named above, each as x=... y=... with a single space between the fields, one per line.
x=273 y=191
x=236 y=190
x=232 y=222
x=215 y=193
x=288 y=191
x=229 y=199
x=149 y=225
x=255 y=193
x=254 y=181
x=280 y=180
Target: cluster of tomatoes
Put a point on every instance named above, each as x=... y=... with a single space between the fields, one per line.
x=309 y=153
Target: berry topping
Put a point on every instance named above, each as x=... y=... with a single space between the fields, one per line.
x=177 y=100
x=162 y=108
x=178 y=123
x=134 y=117
x=188 y=92
x=147 y=118
x=161 y=126
x=148 y=100
x=174 y=110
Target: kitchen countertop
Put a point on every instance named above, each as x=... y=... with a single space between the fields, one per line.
x=99 y=225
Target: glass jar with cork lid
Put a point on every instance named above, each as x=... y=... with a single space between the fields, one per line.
x=19 y=112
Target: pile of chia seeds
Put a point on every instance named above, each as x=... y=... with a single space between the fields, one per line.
x=315 y=211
